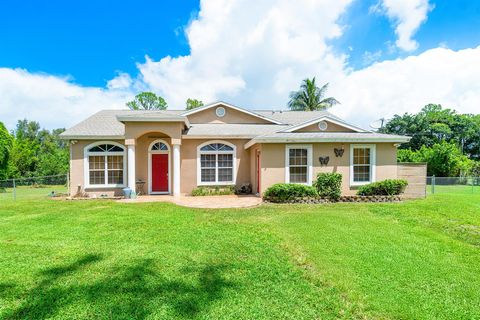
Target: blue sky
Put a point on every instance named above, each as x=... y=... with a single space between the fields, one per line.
x=93 y=40
x=73 y=58
x=455 y=24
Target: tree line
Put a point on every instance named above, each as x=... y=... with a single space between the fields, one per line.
x=29 y=151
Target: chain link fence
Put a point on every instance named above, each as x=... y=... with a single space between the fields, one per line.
x=459 y=185
x=33 y=188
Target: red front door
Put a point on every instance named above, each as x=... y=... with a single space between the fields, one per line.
x=159 y=172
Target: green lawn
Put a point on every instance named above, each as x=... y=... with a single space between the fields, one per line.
x=100 y=259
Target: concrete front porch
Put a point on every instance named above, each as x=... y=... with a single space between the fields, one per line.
x=207 y=202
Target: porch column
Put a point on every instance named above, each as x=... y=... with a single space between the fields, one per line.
x=176 y=169
x=131 y=164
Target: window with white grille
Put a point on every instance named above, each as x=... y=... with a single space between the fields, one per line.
x=105 y=165
x=298 y=164
x=362 y=164
x=216 y=163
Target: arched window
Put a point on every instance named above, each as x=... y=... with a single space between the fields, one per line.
x=105 y=164
x=216 y=163
x=159 y=146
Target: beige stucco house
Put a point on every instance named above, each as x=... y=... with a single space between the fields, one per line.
x=174 y=151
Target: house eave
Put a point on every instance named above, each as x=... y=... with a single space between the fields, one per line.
x=191 y=137
x=321 y=140
x=127 y=118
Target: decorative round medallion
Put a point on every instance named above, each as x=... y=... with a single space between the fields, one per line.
x=322 y=125
x=220 y=112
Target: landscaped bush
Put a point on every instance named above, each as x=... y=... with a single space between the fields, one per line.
x=283 y=192
x=213 y=191
x=387 y=187
x=329 y=185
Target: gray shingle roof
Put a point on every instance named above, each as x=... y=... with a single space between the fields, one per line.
x=296 y=117
x=105 y=124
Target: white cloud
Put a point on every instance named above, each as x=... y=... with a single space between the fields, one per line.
x=407 y=15
x=253 y=56
x=53 y=101
x=405 y=85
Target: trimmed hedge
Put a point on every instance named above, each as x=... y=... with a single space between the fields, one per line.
x=329 y=185
x=213 y=191
x=283 y=192
x=389 y=187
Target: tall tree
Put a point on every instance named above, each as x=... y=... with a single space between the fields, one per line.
x=147 y=101
x=6 y=141
x=193 y=103
x=310 y=97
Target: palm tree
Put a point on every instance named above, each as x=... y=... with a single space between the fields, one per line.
x=310 y=97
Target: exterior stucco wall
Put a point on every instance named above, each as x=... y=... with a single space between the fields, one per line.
x=188 y=167
x=188 y=164
x=231 y=116
x=331 y=127
x=273 y=163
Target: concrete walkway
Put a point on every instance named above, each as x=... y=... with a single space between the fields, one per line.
x=208 y=202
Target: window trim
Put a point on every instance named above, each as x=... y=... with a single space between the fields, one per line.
x=86 y=165
x=309 y=148
x=199 y=164
x=373 y=157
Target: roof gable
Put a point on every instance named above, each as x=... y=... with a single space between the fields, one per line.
x=339 y=126
x=234 y=114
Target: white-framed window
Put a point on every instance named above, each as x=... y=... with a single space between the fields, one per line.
x=362 y=163
x=298 y=164
x=216 y=163
x=105 y=165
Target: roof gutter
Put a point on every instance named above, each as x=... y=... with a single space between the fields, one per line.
x=66 y=137
x=320 y=140
x=191 y=137
x=153 y=119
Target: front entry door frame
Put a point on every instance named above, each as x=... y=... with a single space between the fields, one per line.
x=152 y=152
x=258 y=171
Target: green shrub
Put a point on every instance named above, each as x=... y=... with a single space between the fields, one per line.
x=389 y=187
x=329 y=185
x=213 y=191
x=283 y=192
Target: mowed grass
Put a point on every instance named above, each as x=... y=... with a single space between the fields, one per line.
x=100 y=259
